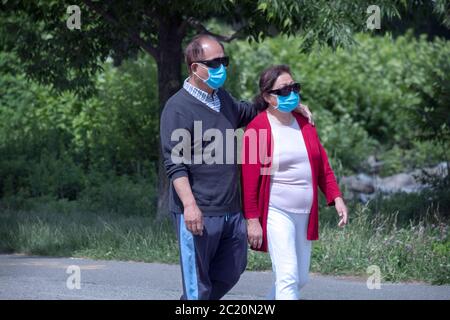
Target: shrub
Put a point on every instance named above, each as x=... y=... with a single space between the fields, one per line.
x=57 y=177
x=366 y=99
x=121 y=195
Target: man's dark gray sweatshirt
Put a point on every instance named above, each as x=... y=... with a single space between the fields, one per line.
x=215 y=185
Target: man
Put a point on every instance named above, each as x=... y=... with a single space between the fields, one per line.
x=204 y=196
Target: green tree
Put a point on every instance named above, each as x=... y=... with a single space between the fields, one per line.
x=432 y=118
x=68 y=59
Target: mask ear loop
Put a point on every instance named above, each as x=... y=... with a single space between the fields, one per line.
x=275 y=107
x=204 y=80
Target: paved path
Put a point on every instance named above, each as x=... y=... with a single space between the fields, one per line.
x=25 y=277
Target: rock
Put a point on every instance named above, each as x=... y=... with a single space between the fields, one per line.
x=374 y=164
x=359 y=183
x=397 y=182
x=438 y=171
x=364 y=187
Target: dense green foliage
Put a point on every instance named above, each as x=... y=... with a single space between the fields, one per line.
x=52 y=53
x=78 y=177
x=57 y=145
x=379 y=98
x=36 y=30
x=79 y=120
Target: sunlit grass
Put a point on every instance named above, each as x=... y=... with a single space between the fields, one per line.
x=419 y=251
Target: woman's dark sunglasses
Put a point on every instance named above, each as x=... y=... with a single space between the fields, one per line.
x=215 y=63
x=286 y=90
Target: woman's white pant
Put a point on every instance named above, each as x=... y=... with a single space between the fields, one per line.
x=290 y=252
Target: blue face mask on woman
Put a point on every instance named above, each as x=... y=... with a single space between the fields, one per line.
x=216 y=78
x=287 y=103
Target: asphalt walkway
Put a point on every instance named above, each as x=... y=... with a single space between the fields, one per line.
x=26 y=277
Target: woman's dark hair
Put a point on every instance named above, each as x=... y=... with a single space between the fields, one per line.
x=266 y=81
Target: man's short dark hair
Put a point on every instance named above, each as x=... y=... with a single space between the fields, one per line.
x=194 y=51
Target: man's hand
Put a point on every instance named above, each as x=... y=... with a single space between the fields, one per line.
x=341 y=209
x=254 y=233
x=193 y=218
x=304 y=111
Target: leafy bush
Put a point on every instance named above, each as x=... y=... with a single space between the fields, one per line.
x=100 y=193
x=50 y=142
x=120 y=195
x=421 y=154
x=13 y=176
x=117 y=129
x=59 y=178
x=366 y=99
x=427 y=72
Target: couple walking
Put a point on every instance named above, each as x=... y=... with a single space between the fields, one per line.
x=283 y=164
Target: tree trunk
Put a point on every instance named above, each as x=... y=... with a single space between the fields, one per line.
x=169 y=60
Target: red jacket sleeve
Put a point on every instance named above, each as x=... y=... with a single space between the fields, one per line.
x=250 y=174
x=326 y=180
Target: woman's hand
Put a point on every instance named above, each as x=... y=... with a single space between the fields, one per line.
x=304 y=111
x=341 y=209
x=254 y=233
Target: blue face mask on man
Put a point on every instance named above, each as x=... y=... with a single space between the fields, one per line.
x=216 y=76
x=287 y=103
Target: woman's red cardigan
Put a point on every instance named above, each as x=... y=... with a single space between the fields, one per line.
x=256 y=178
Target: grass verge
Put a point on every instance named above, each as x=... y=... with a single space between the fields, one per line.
x=418 y=251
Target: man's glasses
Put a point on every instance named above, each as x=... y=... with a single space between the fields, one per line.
x=215 y=63
x=286 y=90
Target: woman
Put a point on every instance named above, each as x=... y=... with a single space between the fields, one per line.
x=283 y=164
